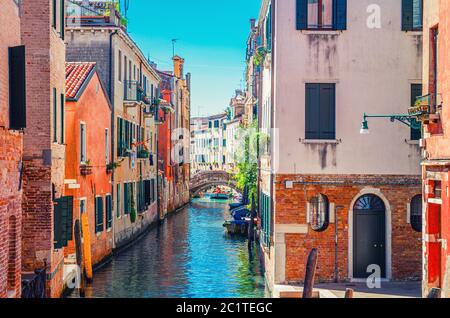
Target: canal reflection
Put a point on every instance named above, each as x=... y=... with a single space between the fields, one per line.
x=187 y=256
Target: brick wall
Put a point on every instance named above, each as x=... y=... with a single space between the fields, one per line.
x=10 y=158
x=291 y=207
x=43 y=159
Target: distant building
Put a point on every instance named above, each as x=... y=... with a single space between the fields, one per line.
x=88 y=157
x=12 y=122
x=174 y=138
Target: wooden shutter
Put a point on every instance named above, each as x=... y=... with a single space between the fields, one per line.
x=17 y=90
x=63 y=222
x=108 y=211
x=320 y=111
x=302 y=14
x=98 y=214
x=327 y=121
x=312 y=113
x=118 y=195
x=407 y=15
x=55 y=118
x=340 y=14
x=62 y=19
x=62 y=118
x=126 y=198
x=54 y=14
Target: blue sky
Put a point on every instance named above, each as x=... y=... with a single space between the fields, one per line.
x=212 y=38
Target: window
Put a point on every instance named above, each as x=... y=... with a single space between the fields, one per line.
x=118 y=196
x=107 y=145
x=120 y=66
x=17 y=88
x=62 y=115
x=319 y=213
x=109 y=212
x=99 y=227
x=412 y=15
x=127 y=198
x=265 y=202
x=216 y=124
x=415 y=217
x=416 y=91
x=55 y=116
x=320 y=111
x=83 y=157
x=321 y=14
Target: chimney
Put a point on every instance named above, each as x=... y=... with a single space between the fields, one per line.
x=178 y=63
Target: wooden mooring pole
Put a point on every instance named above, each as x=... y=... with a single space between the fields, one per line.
x=310 y=274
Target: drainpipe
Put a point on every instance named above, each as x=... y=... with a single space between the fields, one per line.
x=336 y=247
x=113 y=126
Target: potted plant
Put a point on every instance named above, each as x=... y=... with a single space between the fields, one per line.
x=110 y=167
x=86 y=168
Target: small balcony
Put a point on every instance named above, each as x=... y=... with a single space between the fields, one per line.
x=427 y=108
x=133 y=94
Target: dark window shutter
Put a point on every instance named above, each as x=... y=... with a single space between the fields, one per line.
x=126 y=198
x=312 y=114
x=63 y=221
x=62 y=18
x=407 y=15
x=55 y=118
x=302 y=14
x=320 y=111
x=54 y=14
x=17 y=88
x=108 y=212
x=416 y=91
x=340 y=15
x=62 y=119
x=327 y=121
x=98 y=214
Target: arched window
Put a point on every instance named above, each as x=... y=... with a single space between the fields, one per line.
x=319 y=213
x=415 y=217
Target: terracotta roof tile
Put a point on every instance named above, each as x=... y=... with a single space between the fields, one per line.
x=76 y=74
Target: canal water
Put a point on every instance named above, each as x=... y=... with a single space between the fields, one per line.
x=189 y=256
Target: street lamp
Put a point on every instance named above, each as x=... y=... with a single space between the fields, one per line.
x=408 y=120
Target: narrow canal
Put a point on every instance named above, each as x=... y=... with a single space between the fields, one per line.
x=189 y=256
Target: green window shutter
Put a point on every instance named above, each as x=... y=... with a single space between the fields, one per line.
x=99 y=215
x=108 y=212
x=407 y=15
x=118 y=194
x=126 y=198
x=302 y=14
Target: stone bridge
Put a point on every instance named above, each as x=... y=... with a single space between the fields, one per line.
x=207 y=179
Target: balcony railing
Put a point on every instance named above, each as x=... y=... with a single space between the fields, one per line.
x=426 y=107
x=133 y=92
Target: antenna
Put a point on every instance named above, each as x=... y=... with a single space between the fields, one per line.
x=174 y=41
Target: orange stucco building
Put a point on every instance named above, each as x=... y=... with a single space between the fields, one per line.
x=88 y=155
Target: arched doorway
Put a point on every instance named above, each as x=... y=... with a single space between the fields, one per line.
x=369 y=235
